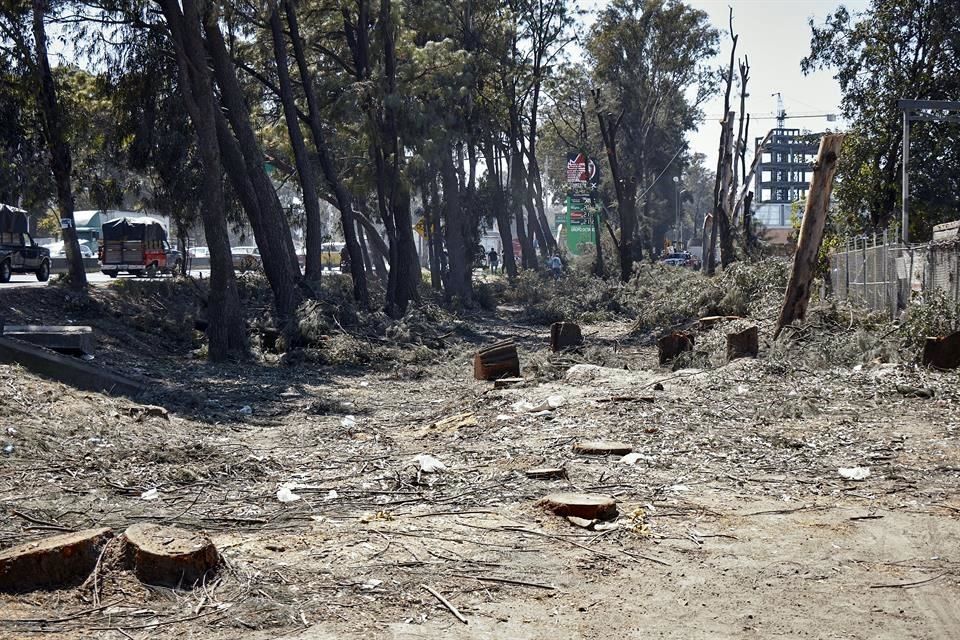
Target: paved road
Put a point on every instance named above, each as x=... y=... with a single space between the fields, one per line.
x=97 y=279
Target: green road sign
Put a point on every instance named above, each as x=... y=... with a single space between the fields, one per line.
x=579 y=224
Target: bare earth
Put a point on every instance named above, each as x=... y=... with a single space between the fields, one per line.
x=734 y=522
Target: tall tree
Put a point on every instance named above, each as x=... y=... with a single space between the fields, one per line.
x=225 y=328
x=648 y=59
x=895 y=49
x=34 y=58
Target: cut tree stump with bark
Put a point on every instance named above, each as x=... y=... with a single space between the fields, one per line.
x=564 y=335
x=580 y=505
x=498 y=361
x=602 y=448
x=942 y=353
x=169 y=556
x=673 y=344
x=56 y=562
x=811 y=232
x=743 y=344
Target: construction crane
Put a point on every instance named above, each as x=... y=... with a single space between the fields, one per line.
x=781 y=111
x=782 y=116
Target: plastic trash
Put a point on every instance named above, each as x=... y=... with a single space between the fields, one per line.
x=8 y=449
x=631 y=458
x=429 y=464
x=11 y=431
x=854 y=473
x=150 y=494
x=246 y=410
x=348 y=422
x=284 y=494
x=333 y=495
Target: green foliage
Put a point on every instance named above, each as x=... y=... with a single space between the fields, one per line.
x=895 y=49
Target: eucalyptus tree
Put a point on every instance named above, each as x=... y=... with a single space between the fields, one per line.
x=23 y=27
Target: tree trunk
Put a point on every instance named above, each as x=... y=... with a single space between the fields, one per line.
x=500 y=208
x=308 y=180
x=367 y=264
x=458 y=282
x=266 y=215
x=61 y=162
x=224 y=313
x=344 y=202
x=811 y=232
x=528 y=256
x=728 y=255
x=404 y=272
x=431 y=214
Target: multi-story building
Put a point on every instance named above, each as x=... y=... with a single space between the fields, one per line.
x=782 y=178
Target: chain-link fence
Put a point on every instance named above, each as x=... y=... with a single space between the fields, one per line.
x=880 y=273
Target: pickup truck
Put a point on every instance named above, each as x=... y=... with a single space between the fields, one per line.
x=19 y=253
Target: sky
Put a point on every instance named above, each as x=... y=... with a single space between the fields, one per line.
x=775 y=35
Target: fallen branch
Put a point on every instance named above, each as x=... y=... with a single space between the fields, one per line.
x=446 y=603
x=901 y=585
x=520 y=583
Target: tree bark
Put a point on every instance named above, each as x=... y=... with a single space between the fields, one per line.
x=224 y=314
x=625 y=189
x=458 y=283
x=728 y=255
x=61 y=162
x=266 y=215
x=344 y=201
x=811 y=232
x=305 y=171
x=500 y=208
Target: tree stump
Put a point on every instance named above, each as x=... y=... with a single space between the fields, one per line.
x=743 y=344
x=564 y=335
x=59 y=561
x=169 y=556
x=673 y=344
x=942 y=353
x=580 y=505
x=546 y=473
x=602 y=448
x=499 y=361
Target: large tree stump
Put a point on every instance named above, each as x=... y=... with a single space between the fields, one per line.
x=564 y=335
x=743 y=344
x=942 y=353
x=811 y=232
x=673 y=344
x=169 y=556
x=499 y=361
x=56 y=562
x=580 y=505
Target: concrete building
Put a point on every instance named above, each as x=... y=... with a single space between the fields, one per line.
x=782 y=178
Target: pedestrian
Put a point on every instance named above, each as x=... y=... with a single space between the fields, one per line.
x=556 y=266
x=493 y=259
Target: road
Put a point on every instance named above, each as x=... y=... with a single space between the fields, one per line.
x=97 y=279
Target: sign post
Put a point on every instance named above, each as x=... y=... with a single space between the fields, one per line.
x=583 y=176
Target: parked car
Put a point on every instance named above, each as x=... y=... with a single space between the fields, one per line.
x=138 y=246
x=18 y=251
x=198 y=252
x=246 y=258
x=59 y=250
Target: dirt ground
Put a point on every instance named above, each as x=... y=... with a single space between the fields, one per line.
x=734 y=521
